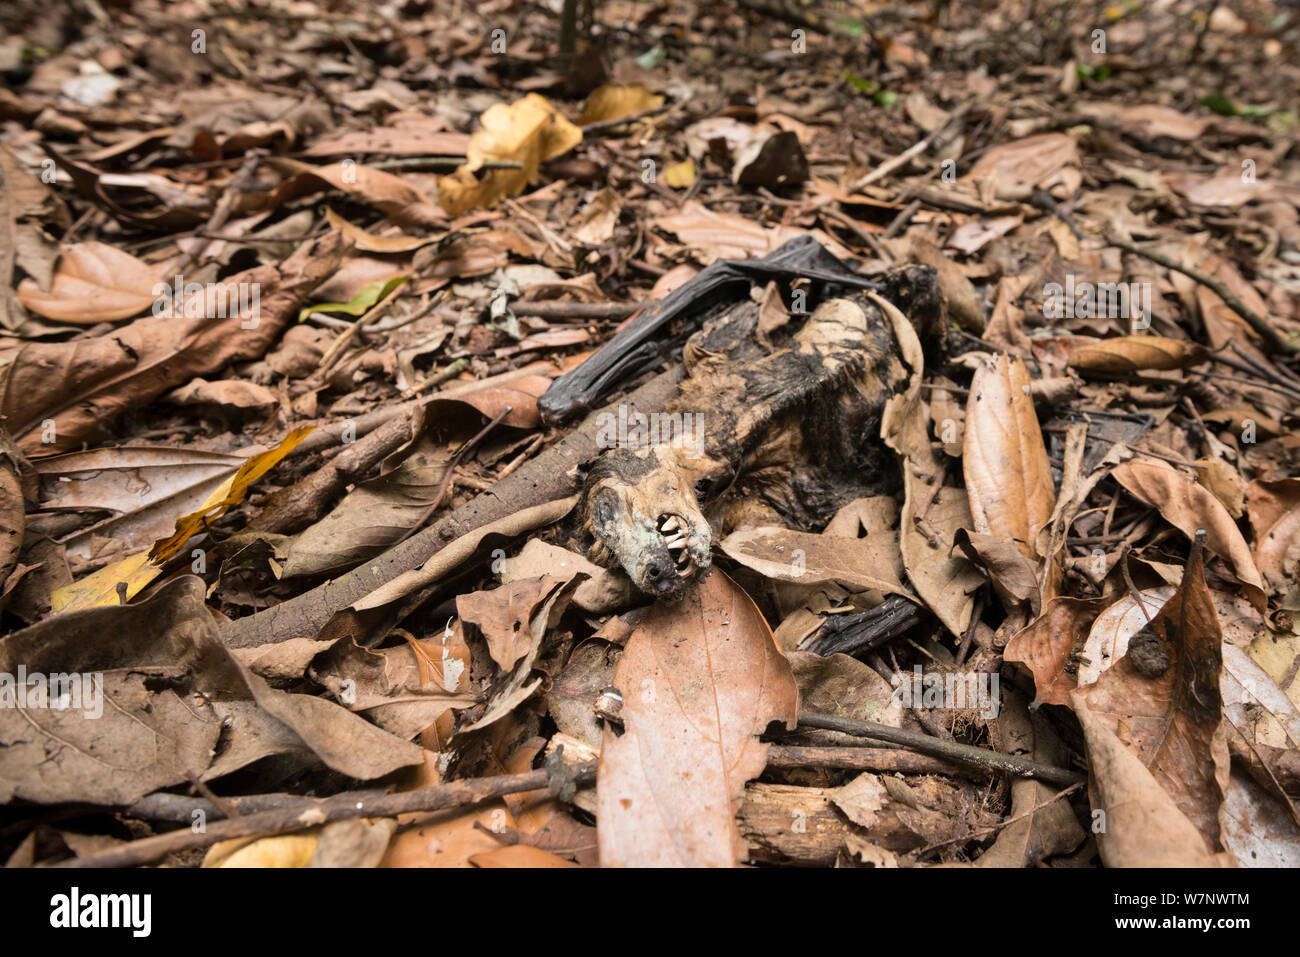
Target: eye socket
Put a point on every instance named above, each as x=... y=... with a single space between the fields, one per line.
x=605 y=509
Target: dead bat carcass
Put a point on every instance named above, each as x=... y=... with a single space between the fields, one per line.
x=789 y=418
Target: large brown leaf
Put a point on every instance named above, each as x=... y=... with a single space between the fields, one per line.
x=1173 y=720
x=807 y=559
x=700 y=680
x=1008 y=477
x=67 y=392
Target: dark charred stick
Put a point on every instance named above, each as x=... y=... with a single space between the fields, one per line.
x=864 y=631
x=949 y=750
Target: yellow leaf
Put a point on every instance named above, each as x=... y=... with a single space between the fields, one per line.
x=680 y=175
x=528 y=131
x=279 y=850
x=136 y=571
x=616 y=102
x=100 y=588
x=231 y=492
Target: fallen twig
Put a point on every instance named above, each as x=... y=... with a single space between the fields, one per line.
x=965 y=753
x=341 y=807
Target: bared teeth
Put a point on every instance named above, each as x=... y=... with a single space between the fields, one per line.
x=669 y=524
x=678 y=542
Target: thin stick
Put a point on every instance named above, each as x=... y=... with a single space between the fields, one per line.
x=938 y=137
x=1217 y=286
x=341 y=807
x=951 y=750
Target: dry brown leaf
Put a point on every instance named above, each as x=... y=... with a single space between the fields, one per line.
x=1126 y=354
x=1163 y=700
x=1188 y=507
x=1040 y=162
x=229 y=395
x=68 y=392
x=1274 y=509
x=808 y=559
x=1141 y=826
x=1008 y=477
x=1046 y=644
x=723 y=236
x=503 y=613
x=1225 y=482
x=700 y=680
x=94 y=283
x=930 y=516
x=391 y=195
x=366 y=242
x=599 y=218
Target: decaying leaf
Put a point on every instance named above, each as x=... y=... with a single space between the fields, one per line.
x=1163 y=700
x=700 y=680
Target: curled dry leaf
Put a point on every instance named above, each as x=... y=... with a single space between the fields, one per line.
x=1046 y=645
x=1042 y=162
x=701 y=679
x=366 y=242
x=93 y=283
x=599 y=218
x=79 y=386
x=1008 y=477
x=528 y=131
x=501 y=614
x=932 y=513
x=1188 y=507
x=1125 y=354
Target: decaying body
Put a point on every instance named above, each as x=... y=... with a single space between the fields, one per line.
x=799 y=420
